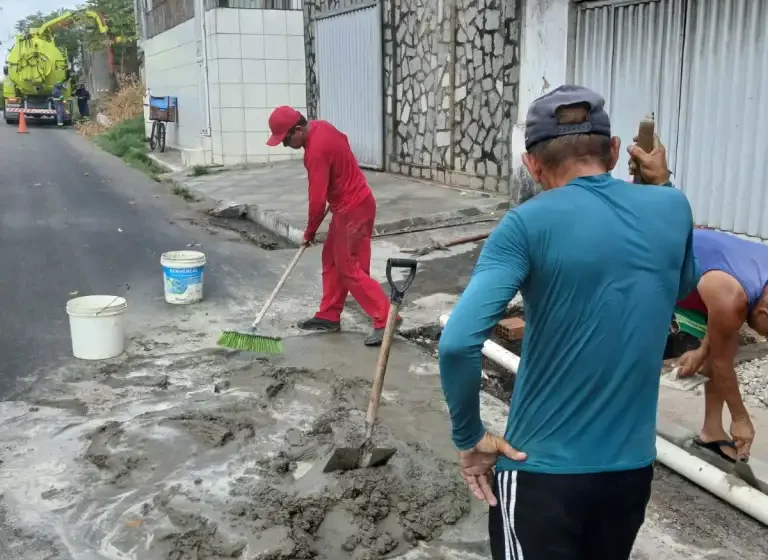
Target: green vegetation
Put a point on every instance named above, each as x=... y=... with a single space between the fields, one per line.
x=126 y=140
x=199 y=170
x=184 y=193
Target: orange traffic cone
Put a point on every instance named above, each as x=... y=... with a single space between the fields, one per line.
x=22 y=124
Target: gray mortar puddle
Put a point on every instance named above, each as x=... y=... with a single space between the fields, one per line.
x=209 y=457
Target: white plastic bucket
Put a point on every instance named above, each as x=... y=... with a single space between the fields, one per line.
x=97 y=326
x=183 y=276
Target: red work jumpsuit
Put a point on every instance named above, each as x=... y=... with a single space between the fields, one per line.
x=335 y=177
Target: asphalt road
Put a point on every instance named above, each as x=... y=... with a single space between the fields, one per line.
x=75 y=219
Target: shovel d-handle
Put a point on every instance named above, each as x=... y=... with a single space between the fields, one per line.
x=397 y=291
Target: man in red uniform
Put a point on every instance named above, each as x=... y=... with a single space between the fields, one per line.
x=335 y=177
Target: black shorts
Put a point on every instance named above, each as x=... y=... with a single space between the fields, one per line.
x=568 y=516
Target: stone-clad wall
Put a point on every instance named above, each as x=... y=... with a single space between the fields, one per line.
x=423 y=87
x=451 y=80
x=486 y=89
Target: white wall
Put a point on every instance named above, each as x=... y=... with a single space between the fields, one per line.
x=171 y=68
x=545 y=55
x=256 y=62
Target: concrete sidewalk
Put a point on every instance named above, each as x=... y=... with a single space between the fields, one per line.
x=275 y=197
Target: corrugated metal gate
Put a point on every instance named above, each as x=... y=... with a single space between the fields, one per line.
x=700 y=66
x=350 y=81
x=722 y=148
x=632 y=55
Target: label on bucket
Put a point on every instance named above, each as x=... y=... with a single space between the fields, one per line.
x=183 y=285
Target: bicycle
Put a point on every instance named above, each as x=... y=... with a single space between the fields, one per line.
x=162 y=110
x=157 y=137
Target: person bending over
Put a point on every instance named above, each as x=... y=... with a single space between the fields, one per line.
x=733 y=290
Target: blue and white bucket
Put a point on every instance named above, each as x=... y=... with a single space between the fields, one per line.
x=183 y=276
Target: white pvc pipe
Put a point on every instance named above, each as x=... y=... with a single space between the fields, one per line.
x=494 y=352
x=727 y=487
x=734 y=491
x=206 y=72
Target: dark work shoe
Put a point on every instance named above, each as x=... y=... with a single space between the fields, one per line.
x=320 y=325
x=377 y=335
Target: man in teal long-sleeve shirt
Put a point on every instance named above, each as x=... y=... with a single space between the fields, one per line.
x=600 y=264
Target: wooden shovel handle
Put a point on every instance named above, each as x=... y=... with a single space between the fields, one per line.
x=381 y=367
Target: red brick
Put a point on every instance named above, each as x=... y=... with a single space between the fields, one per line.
x=511 y=329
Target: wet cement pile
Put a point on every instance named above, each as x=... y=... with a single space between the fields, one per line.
x=364 y=514
x=278 y=503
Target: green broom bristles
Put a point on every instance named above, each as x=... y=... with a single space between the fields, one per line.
x=250 y=342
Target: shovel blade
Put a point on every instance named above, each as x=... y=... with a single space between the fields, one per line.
x=351 y=458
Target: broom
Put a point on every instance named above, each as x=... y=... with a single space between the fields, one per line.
x=248 y=340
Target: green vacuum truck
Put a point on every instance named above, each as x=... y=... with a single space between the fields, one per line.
x=36 y=65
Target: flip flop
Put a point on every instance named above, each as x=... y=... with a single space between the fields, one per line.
x=716 y=447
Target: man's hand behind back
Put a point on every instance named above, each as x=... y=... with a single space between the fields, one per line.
x=652 y=167
x=477 y=465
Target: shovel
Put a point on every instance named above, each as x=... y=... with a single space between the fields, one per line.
x=350 y=458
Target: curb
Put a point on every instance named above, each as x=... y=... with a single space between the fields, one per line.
x=275 y=222
x=440 y=217
x=164 y=164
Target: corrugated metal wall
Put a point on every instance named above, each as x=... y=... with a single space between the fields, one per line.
x=631 y=54
x=349 y=75
x=723 y=148
x=701 y=66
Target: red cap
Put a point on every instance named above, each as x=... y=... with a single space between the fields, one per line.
x=282 y=119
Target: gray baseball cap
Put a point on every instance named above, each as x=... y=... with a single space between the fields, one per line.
x=541 y=123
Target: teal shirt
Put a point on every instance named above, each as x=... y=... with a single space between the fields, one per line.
x=600 y=264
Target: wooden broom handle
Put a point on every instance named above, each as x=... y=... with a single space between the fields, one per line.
x=282 y=281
